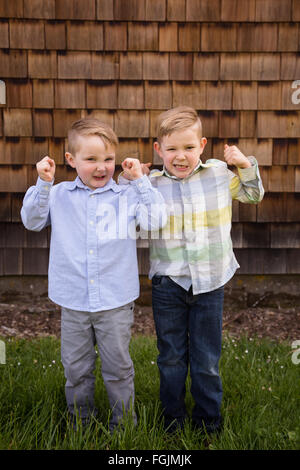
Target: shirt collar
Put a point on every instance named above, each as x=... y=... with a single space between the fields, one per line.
x=77 y=183
x=164 y=171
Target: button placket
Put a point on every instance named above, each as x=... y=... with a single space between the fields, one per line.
x=92 y=262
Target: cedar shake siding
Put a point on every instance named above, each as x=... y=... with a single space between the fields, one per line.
x=125 y=61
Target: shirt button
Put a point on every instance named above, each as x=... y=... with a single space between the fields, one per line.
x=92 y=281
x=92 y=196
x=91 y=222
x=91 y=252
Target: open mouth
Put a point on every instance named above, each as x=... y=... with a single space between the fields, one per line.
x=99 y=177
x=181 y=167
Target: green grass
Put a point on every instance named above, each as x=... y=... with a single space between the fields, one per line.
x=261 y=404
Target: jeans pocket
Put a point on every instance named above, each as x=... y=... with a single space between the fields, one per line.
x=156 y=280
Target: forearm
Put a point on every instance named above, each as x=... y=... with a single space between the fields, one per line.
x=247 y=186
x=35 y=213
x=151 y=209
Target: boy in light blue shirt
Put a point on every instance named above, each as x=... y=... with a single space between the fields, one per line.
x=93 y=268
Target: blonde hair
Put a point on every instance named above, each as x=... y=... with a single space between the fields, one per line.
x=176 y=119
x=91 y=126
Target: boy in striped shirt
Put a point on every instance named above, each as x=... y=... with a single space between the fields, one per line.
x=191 y=259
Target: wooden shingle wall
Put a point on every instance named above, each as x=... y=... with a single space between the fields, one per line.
x=125 y=61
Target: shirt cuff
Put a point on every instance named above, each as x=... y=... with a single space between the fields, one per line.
x=44 y=186
x=249 y=174
x=122 y=180
x=141 y=184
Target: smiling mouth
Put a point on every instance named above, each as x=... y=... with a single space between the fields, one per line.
x=181 y=167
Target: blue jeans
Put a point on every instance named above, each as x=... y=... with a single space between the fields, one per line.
x=189 y=332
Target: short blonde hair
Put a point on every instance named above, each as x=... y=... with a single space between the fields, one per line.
x=176 y=119
x=91 y=126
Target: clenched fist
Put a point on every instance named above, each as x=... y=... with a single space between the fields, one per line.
x=146 y=168
x=132 y=168
x=233 y=156
x=46 y=169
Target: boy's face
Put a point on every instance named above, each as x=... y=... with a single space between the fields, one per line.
x=94 y=163
x=181 y=151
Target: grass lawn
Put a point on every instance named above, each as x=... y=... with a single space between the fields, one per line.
x=261 y=402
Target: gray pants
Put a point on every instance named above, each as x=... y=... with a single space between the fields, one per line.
x=111 y=331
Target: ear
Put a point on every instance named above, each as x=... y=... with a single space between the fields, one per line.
x=157 y=149
x=70 y=159
x=203 y=143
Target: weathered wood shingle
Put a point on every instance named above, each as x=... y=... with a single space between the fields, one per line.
x=125 y=61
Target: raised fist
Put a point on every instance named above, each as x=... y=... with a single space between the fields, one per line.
x=132 y=168
x=46 y=169
x=233 y=156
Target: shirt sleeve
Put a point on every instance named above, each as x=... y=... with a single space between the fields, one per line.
x=122 y=180
x=35 y=212
x=151 y=213
x=247 y=186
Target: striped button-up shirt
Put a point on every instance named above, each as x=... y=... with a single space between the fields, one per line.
x=195 y=247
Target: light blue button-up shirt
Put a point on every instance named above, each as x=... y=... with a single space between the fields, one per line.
x=93 y=260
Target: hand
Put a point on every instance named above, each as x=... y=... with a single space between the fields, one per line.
x=132 y=168
x=145 y=168
x=46 y=169
x=233 y=156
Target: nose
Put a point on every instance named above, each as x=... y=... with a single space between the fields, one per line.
x=100 y=167
x=180 y=155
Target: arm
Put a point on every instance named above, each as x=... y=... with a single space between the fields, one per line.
x=247 y=186
x=35 y=210
x=151 y=211
x=124 y=177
